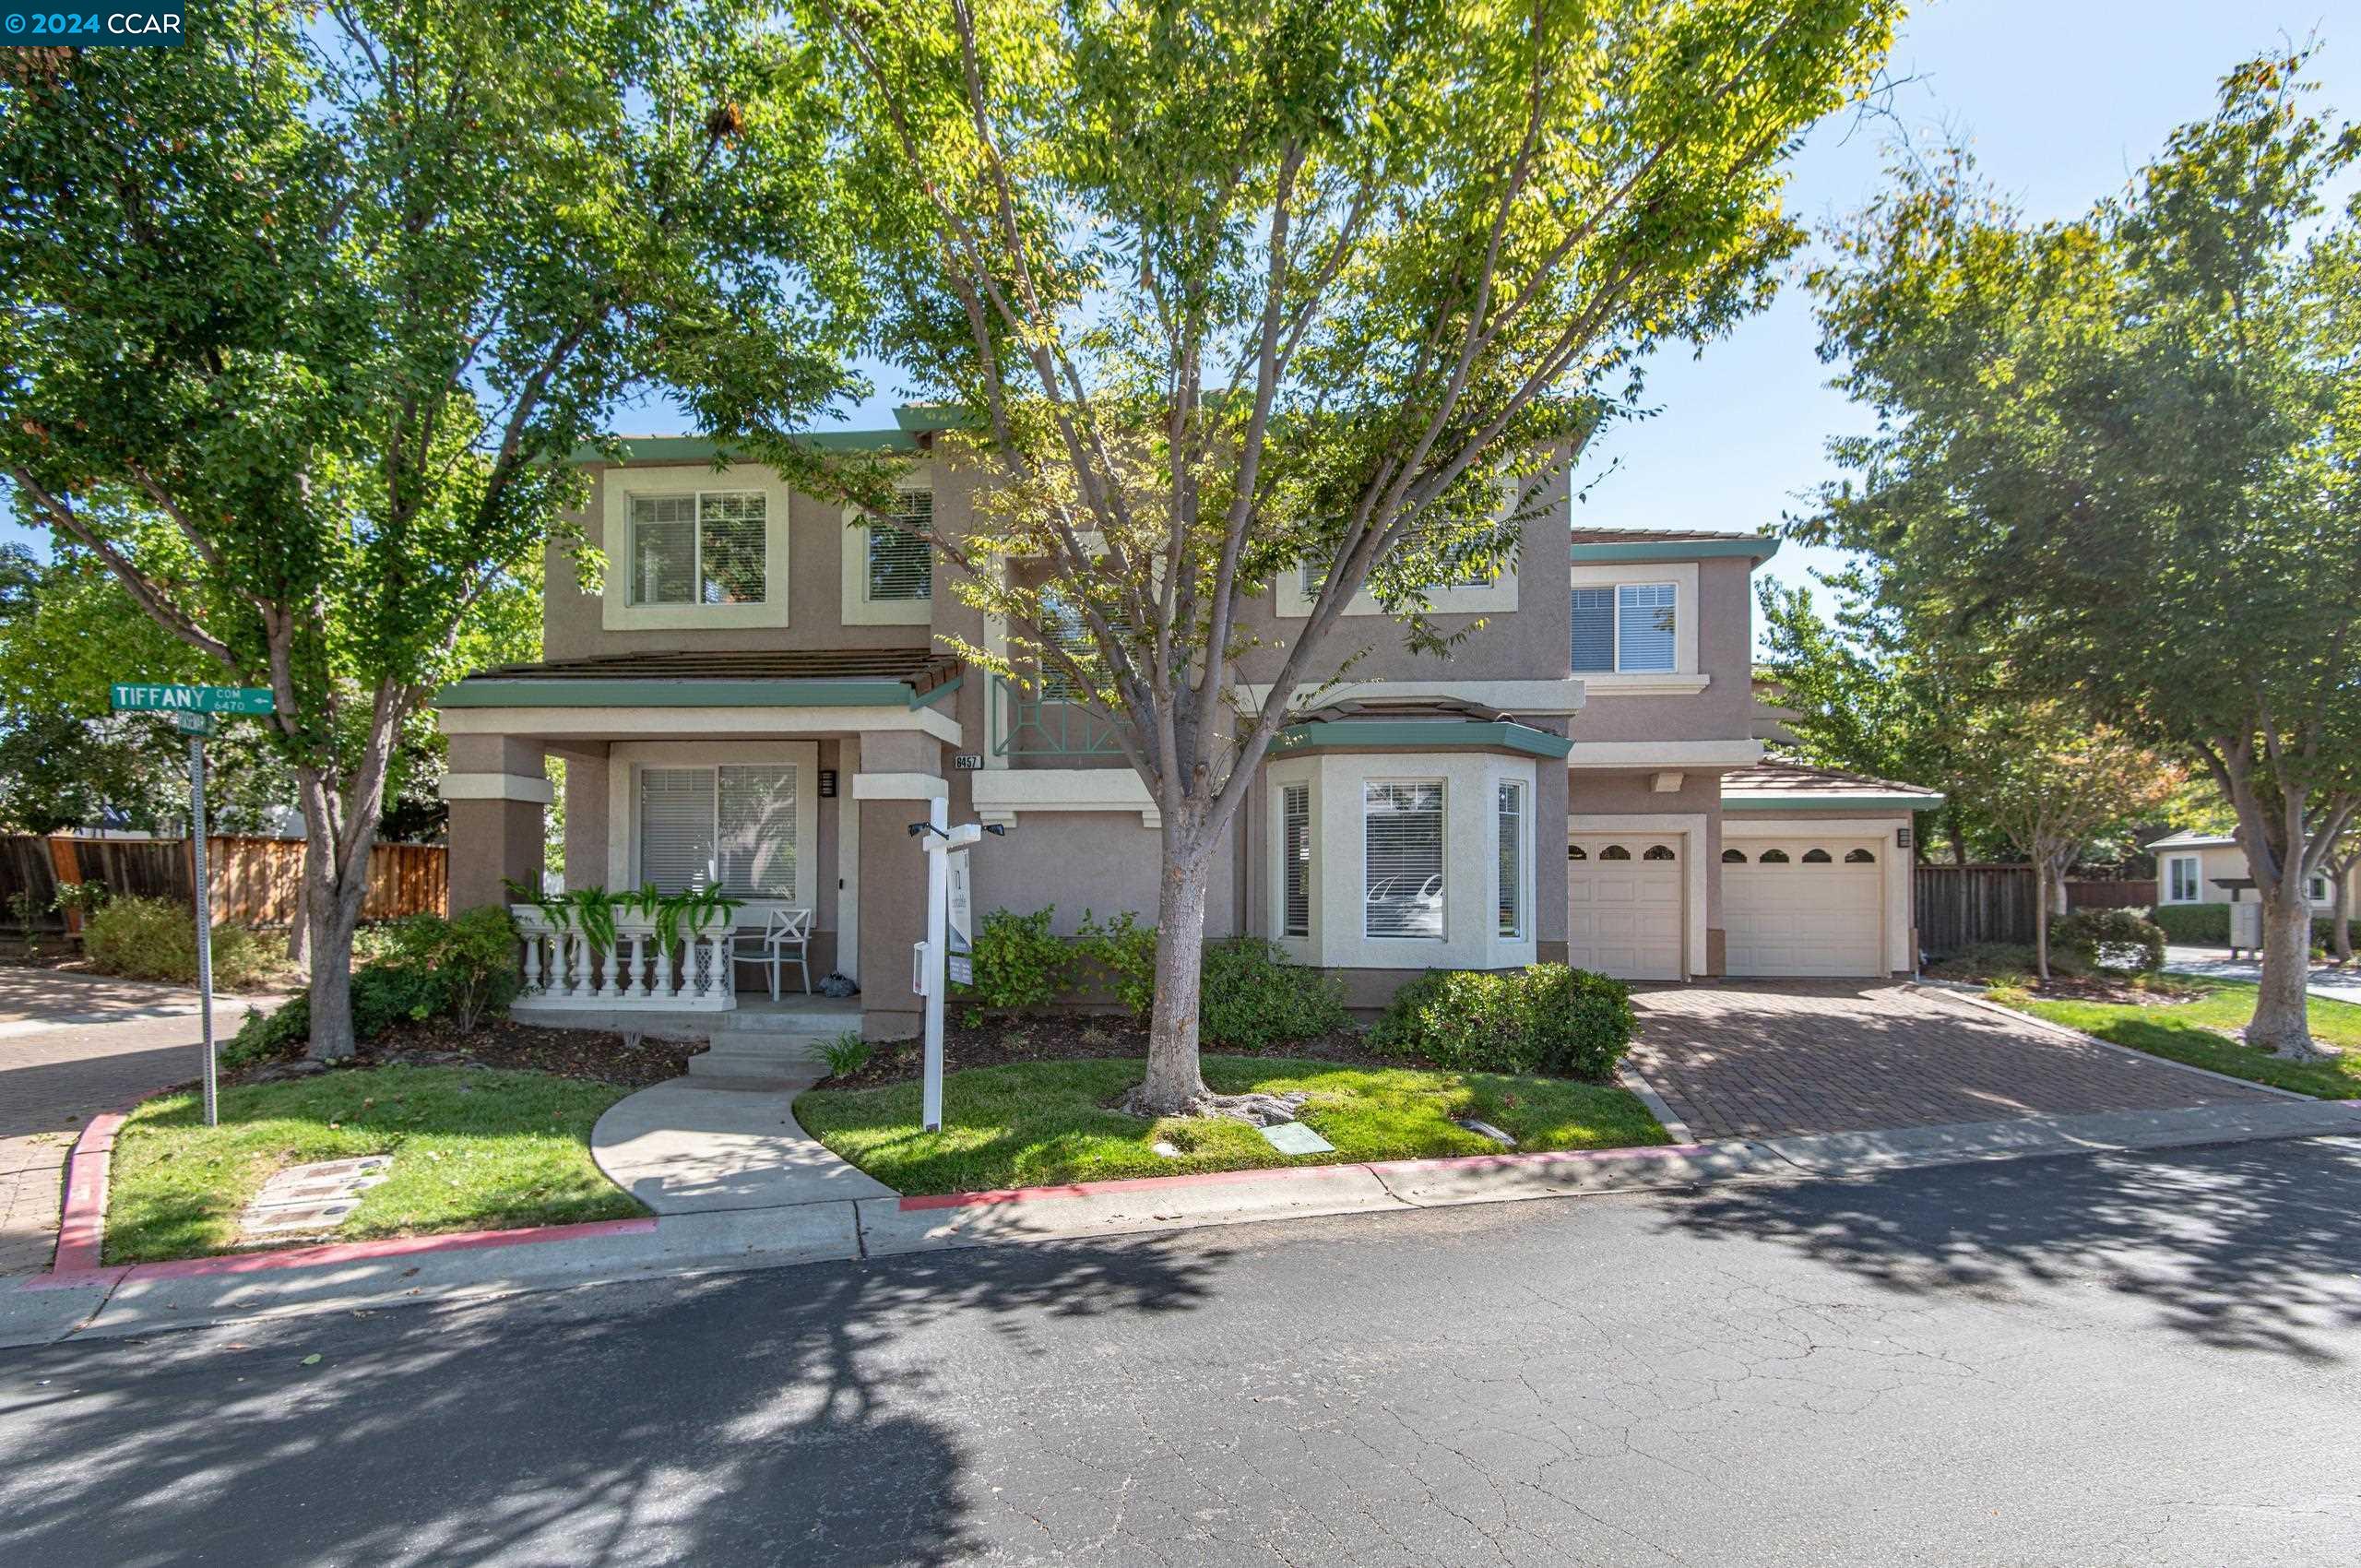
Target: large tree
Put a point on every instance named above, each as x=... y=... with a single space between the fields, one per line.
x=2122 y=452
x=1231 y=287
x=307 y=312
x=1872 y=695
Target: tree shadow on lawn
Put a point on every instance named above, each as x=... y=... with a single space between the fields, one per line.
x=775 y=1417
x=2246 y=1248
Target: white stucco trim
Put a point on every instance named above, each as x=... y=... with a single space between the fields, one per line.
x=1896 y=860
x=1558 y=696
x=1601 y=684
x=627 y=757
x=1004 y=794
x=848 y=882
x=1696 y=889
x=1664 y=754
x=900 y=787
x=496 y=787
x=696 y=723
x=1682 y=575
x=854 y=605
x=617 y=614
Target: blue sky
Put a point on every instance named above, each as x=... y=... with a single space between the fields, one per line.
x=2062 y=100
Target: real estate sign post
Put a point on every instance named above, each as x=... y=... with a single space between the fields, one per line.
x=193 y=709
x=944 y=956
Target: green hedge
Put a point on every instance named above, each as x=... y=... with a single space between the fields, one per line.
x=1548 y=1018
x=155 y=939
x=2208 y=925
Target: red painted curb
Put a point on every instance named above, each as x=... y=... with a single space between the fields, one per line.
x=391 y=1247
x=82 y=1217
x=1214 y=1178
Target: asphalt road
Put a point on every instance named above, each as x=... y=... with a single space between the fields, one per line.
x=2123 y=1360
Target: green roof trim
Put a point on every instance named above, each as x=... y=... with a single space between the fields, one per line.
x=929 y=698
x=1757 y=548
x=652 y=449
x=1750 y=802
x=684 y=693
x=1369 y=734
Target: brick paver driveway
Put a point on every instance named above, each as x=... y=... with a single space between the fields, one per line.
x=72 y=1046
x=1769 y=1058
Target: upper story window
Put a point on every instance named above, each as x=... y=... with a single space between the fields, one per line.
x=709 y=547
x=901 y=563
x=1630 y=628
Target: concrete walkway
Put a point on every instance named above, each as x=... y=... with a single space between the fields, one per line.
x=2215 y=963
x=685 y=1146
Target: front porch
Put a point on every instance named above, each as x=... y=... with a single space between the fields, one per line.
x=784 y=782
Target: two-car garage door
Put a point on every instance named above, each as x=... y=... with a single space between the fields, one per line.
x=1803 y=907
x=1806 y=906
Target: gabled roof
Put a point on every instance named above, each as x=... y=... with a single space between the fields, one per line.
x=1774 y=784
x=1667 y=544
x=734 y=678
x=2190 y=839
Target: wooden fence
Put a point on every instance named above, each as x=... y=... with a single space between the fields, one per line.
x=256 y=882
x=1959 y=906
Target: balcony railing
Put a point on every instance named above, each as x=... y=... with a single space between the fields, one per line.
x=572 y=968
x=1046 y=726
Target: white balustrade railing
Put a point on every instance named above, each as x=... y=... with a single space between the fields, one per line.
x=566 y=968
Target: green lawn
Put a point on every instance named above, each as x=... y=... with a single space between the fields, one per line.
x=1047 y=1122
x=474 y=1149
x=2184 y=1031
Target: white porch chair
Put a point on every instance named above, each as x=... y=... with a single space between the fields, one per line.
x=786 y=939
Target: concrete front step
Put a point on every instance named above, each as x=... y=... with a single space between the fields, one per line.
x=760 y=1056
x=830 y=1017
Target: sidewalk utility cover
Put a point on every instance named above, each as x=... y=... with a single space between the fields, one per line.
x=1294 y=1138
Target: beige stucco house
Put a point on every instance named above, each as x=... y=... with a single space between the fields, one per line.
x=2192 y=867
x=758 y=700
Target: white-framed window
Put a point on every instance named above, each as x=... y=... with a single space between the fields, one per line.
x=1508 y=829
x=731 y=826
x=1402 y=865
x=705 y=547
x=2317 y=890
x=900 y=564
x=1628 y=628
x=1294 y=855
x=2181 y=883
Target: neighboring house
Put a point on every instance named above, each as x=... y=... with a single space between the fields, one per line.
x=2192 y=866
x=757 y=700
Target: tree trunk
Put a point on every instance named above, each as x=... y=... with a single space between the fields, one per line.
x=2041 y=921
x=1174 y=1086
x=2281 y=1005
x=335 y=877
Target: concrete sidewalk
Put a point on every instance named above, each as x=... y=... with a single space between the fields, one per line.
x=696 y=1146
x=148 y=1297
x=2215 y=963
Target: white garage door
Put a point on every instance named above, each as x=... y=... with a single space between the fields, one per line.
x=1623 y=905
x=1804 y=907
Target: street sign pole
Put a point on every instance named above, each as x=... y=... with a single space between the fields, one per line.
x=197 y=731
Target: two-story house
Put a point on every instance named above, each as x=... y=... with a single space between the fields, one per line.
x=756 y=700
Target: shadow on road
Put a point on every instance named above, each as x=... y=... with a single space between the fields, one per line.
x=2249 y=1248
x=738 y=1419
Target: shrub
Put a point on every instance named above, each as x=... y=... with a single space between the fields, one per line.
x=2196 y=925
x=1996 y=961
x=1126 y=950
x=1017 y=962
x=465 y=966
x=282 y=1032
x=846 y=1055
x=1251 y=996
x=1548 y=1018
x=2114 y=939
x=156 y=939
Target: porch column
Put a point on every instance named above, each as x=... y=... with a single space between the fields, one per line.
x=899 y=773
x=498 y=791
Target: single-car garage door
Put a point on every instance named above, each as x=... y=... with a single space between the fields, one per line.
x=1623 y=905
x=1803 y=907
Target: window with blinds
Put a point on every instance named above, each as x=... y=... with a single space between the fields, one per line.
x=1063 y=624
x=1628 y=628
x=901 y=565
x=711 y=548
x=676 y=818
x=1295 y=849
x=1510 y=825
x=731 y=828
x=1402 y=860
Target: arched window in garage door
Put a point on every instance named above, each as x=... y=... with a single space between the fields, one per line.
x=1615 y=852
x=1818 y=858
x=1658 y=852
x=1772 y=858
x=1733 y=857
x=1576 y=853
x=1860 y=858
